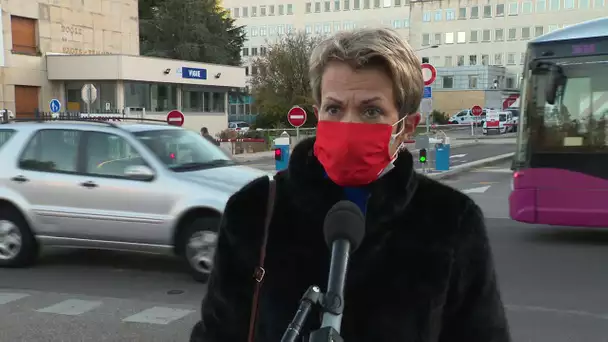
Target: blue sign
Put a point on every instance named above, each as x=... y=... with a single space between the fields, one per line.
x=428 y=93
x=193 y=73
x=55 y=106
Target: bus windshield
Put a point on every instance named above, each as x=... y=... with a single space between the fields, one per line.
x=576 y=121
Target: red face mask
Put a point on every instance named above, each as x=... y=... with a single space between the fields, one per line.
x=353 y=154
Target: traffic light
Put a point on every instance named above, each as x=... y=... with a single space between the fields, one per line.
x=422 y=156
x=278 y=154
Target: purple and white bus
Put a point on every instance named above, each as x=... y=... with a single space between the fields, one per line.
x=561 y=162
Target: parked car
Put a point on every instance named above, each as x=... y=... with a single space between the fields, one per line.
x=132 y=187
x=239 y=126
x=466 y=117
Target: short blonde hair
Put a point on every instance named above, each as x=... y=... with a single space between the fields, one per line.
x=378 y=47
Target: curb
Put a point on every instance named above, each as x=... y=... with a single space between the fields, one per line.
x=472 y=165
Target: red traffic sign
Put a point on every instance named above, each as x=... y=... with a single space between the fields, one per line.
x=175 y=118
x=429 y=74
x=296 y=116
x=476 y=110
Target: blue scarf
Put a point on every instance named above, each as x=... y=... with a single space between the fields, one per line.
x=357 y=195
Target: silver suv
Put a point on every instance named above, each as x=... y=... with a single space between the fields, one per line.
x=132 y=187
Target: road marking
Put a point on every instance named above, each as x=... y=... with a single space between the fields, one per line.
x=479 y=190
x=493 y=170
x=555 y=311
x=7 y=297
x=71 y=307
x=458 y=155
x=158 y=315
x=486 y=183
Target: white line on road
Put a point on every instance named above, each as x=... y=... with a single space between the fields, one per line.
x=555 y=311
x=71 y=307
x=494 y=170
x=479 y=190
x=158 y=315
x=6 y=298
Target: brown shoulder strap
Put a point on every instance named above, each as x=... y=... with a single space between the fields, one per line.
x=259 y=272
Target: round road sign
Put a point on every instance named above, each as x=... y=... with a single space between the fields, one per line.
x=429 y=74
x=476 y=110
x=296 y=116
x=175 y=118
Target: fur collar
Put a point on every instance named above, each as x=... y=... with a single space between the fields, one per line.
x=314 y=193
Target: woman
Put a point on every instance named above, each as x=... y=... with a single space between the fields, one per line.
x=424 y=271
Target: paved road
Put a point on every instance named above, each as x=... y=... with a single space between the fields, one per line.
x=459 y=155
x=553 y=281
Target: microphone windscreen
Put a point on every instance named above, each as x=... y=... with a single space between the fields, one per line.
x=344 y=221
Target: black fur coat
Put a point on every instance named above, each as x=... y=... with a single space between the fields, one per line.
x=424 y=272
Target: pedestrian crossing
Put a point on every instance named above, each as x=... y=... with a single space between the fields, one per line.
x=116 y=310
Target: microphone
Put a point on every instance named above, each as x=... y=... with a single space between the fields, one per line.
x=344 y=229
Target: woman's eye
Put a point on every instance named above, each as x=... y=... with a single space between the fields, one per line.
x=332 y=110
x=372 y=112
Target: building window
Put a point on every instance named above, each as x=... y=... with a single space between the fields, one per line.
x=526 y=7
x=473 y=60
x=448 y=82
x=376 y=3
x=554 y=5
x=512 y=34
x=513 y=6
x=552 y=28
x=541 y=5
x=472 y=81
x=328 y=6
x=500 y=10
x=262 y=11
x=511 y=59
x=486 y=36
x=510 y=83
x=498 y=59
x=449 y=38
x=365 y=4
x=499 y=35
x=448 y=61
x=289 y=9
x=245 y=12
x=317 y=7
x=346 y=6
x=308 y=7
x=105 y=102
x=236 y=12
x=24 y=35
x=473 y=36
x=357 y=4
x=462 y=37
x=152 y=97
x=474 y=12
x=200 y=99
x=426 y=16
x=336 y=5
x=438 y=15
x=487 y=11
x=522 y=58
x=525 y=33
x=437 y=40
x=568 y=4
x=450 y=14
x=583 y=4
x=426 y=39
x=459 y=60
x=462 y=13
x=598 y=3
x=485 y=60
x=254 y=11
x=397 y=3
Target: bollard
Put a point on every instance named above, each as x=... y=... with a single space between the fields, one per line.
x=442 y=155
x=281 y=151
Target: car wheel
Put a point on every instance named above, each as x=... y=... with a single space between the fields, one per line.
x=18 y=247
x=198 y=244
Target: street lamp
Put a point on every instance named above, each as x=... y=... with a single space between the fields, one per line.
x=428 y=47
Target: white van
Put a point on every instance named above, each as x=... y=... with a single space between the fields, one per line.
x=466 y=117
x=495 y=122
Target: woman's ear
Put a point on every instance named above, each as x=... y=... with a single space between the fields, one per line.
x=410 y=123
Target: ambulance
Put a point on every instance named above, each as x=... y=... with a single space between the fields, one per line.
x=497 y=122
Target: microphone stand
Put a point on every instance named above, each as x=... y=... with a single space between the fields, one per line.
x=328 y=303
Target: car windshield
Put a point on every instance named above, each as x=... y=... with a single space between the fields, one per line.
x=242 y=124
x=182 y=150
x=502 y=117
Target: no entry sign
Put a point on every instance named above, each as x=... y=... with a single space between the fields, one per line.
x=175 y=118
x=429 y=74
x=296 y=116
x=476 y=110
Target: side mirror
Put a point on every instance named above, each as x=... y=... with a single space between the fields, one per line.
x=139 y=172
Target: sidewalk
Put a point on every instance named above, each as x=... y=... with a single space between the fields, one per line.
x=252 y=157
